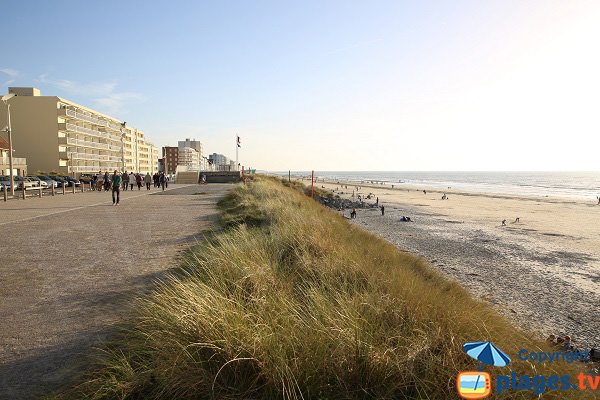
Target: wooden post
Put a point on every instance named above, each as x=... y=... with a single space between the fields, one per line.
x=82 y=187
x=23 y=190
x=40 y=189
x=312 y=184
x=63 y=188
x=73 y=187
x=52 y=191
x=289 y=176
x=5 y=193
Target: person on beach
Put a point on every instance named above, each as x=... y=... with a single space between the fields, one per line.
x=503 y=222
x=424 y=192
x=148 y=181
x=517 y=220
x=444 y=196
x=93 y=182
x=405 y=219
x=353 y=213
x=382 y=210
x=377 y=201
x=115 y=183
x=125 y=178
x=138 y=180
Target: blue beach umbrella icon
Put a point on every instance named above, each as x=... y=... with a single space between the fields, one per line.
x=486 y=353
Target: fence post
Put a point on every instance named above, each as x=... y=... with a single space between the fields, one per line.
x=23 y=190
x=40 y=192
x=63 y=188
x=73 y=187
x=5 y=193
x=52 y=189
x=82 y=187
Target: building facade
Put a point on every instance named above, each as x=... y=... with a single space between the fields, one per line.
x=219 y=162
x=170 y=159
x=58 y=135
x=19 y=164
x=189 y=158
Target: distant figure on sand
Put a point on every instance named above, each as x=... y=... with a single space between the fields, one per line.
x=353 y=213
x=517 y=220
x=424 y=192
x=444 y=197
x=377 y=201
x=382 y=210
x=503 y=222
x=405 y=219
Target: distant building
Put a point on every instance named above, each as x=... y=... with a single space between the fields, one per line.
x=219 y=162
x=194 y=144
x=58 y=135
x=19 y=164
x=170 y=159
x=189 y=158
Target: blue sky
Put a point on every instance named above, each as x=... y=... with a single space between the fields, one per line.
x=329 y=85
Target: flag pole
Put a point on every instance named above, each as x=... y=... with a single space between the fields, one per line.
x=237 y=146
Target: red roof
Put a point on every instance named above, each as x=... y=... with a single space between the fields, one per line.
x=3 y=144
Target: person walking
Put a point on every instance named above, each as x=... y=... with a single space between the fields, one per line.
x=138 y=180
x=382 y=210
x=148 y=180
x=155 y=178
x=131 y=180
x=163 y=180
x=115 y=183
x=106 y=181
x=125 y=180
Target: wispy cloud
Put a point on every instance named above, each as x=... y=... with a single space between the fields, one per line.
x=10 y=73
x=103 y=95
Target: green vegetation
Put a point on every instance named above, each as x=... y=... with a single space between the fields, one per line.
x=292 y=301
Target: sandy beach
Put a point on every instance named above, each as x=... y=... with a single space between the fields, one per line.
x=542 y=272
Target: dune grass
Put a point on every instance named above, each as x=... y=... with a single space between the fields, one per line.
x=291 y=301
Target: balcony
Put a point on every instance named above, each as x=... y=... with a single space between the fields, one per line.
x=16 y=161
x=87 y=131
x=63 y=112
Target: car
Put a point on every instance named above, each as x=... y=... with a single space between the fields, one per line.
x=38 y=182
x=59 y=180
x=85 y=178
x=50 y=182
x=24 y=182
x=5 y=182
x=72 y=181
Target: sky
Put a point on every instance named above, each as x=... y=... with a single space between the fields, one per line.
x=328 y=85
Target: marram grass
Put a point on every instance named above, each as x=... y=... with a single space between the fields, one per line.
x=291 y=301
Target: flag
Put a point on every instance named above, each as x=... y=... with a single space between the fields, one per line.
x=239 y=143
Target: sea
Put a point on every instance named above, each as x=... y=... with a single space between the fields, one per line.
x=565 y=185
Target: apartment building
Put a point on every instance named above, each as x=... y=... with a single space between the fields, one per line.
x=170 y=159
x=58 y=135
x=19 y=164
x=189 y=158
x=194 y=144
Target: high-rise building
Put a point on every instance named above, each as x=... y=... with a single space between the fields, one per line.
x=194 y=144
x=58 y=135
x=189 y=158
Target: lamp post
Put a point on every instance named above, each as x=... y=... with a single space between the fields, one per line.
x=5 y=99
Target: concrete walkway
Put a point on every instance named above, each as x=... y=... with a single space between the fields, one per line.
x=68 y=266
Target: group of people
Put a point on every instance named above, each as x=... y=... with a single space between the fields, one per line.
x=126 y=181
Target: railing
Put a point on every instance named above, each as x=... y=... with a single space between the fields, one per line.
x=84 y=117
x=86 y=143
x=94 y=168
x=16 y=161
x=91 y=132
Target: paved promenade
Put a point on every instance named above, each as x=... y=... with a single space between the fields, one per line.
x=69 y=264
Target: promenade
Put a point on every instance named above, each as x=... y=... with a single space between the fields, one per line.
x=69 y=266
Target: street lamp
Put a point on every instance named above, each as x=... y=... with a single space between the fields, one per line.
x=5 y=99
